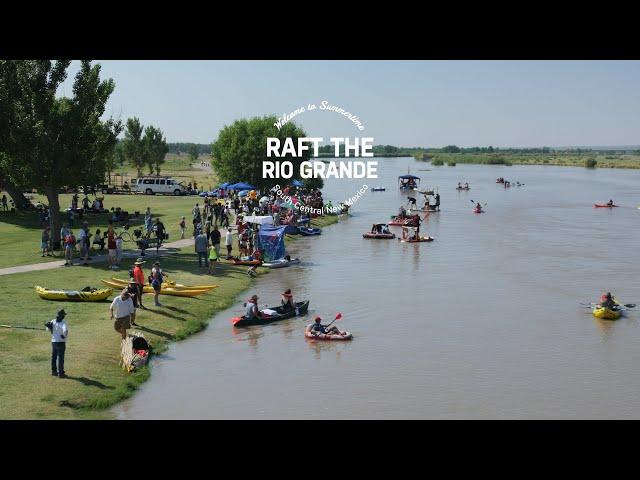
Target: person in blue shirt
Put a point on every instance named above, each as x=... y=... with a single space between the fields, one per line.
x=318 y=328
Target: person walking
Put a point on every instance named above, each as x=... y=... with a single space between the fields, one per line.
x=138 y=276
x=121 y=311
x=45 y=242
x=201 y=245
x=228 y=241
x=59 y=333
x=215 y=239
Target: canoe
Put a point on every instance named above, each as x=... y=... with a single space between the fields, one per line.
x=245 y=262
x=163 y=291
x=281 y=263
x=606 y=313
x=170 y=284
x=324 y=336
x=462 y=188
x=309 y=231
x=421 y=239
x=379 y=236
x=281 y=314
x=74 y=295
x=604 y=205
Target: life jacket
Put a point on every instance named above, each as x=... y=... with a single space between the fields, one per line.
x=70 y=240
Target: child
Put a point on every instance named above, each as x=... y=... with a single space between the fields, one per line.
x=69 y=245
x=213 y=258
x=183 y=226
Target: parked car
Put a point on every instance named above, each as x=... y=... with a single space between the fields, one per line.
x=163 y=185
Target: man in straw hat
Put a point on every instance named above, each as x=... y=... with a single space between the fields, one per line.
x=251 y=310
x=138 y=277
x=59 y=334
x=122 y=311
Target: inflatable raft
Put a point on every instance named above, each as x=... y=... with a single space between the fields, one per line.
x=281 y=263
x=97 y=295
x=419 y=240
x=327 y=336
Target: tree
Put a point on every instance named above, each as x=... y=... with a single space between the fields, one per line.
x=193 y=153
x=241 y=149
x=133 y=144
x=51 y=143
x=155 y=148
x=451 y=149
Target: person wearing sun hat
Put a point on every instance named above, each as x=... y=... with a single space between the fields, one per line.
x=138 y=276
x=59 y=334
x=287 y=299
x=252 y=311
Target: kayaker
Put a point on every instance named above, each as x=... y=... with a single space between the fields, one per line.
x=466 y=185
x=459 y=186
x=606 y=301
x=412 y=201
x=610 y=203
x=287 y=300
x=317 y=328
x=251 y=310
x=59 y=333
x=478 y=207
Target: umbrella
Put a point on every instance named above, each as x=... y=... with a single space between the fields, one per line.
x=296 y=183
x=241 y=186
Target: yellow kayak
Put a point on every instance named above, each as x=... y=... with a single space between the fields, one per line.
x=174 y=285
x=606 y=313
x=163 y=291
x=74 y=295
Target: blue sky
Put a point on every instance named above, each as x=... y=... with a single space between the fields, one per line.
x=408 y=103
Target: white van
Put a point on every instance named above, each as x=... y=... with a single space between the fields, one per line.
x=153 y=185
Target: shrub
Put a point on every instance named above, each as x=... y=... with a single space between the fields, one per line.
x=436 y=162
x=590 y=163
x=451 y=164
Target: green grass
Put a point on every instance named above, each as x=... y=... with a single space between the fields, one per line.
x=96 y=381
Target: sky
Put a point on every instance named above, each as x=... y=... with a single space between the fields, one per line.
x=403 y=103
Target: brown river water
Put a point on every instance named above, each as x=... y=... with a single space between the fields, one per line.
x=482 y=323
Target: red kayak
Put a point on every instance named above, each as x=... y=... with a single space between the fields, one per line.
x=475 y=210
x=604 y=205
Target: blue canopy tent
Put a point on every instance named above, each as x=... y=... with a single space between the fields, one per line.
x=271 y=241
x=241 y=186
x=224 y=185
x=296 y=183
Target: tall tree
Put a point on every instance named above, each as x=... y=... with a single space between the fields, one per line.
x=193 y=153
x=133 y=144
x=155 y=147
x=241 y=148
x=51 y=143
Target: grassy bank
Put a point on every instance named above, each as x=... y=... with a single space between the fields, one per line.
x=96 y=381
x=566 y=159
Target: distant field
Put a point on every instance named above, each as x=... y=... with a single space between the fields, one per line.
x=560 y=159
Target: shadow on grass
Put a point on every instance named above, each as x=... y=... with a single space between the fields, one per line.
x=91 y=383
x=158 y=333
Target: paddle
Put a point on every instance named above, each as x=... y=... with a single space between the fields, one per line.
x=474 y=202
x=593 y=304
x=20 y=326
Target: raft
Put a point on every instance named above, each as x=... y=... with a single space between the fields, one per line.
x=163 y=291
x=606 y=313
x=421 y=239
x=379 y=236
x=97 y=295
x=325 y=336
x=134 y=351
x=280 y=314
x=281 y=263
x=409 y=221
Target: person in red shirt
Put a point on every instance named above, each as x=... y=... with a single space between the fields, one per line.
x=138 y=277
x=111 y=246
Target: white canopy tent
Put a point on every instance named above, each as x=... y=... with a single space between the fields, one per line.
x=259 y=219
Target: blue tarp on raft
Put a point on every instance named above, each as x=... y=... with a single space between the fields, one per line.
x=271 y=241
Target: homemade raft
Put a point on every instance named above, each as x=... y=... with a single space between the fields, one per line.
x=135 y=351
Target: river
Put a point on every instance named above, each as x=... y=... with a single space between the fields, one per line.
x=482 y=323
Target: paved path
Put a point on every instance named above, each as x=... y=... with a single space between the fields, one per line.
x=166 y=249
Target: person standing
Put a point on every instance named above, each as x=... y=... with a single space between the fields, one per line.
x=69 y=245
x=228 y=241
x=160 y=233
x=59 y=334
x=45 y=241
x=183 y=226
x=147 y=220
x=156 y=281
x=201 y=245
x=121 y=311
x=4 y=203
x=215 y=239
x=85 y=237
x=138 y=276
x=111 y=247
x=119 y=247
